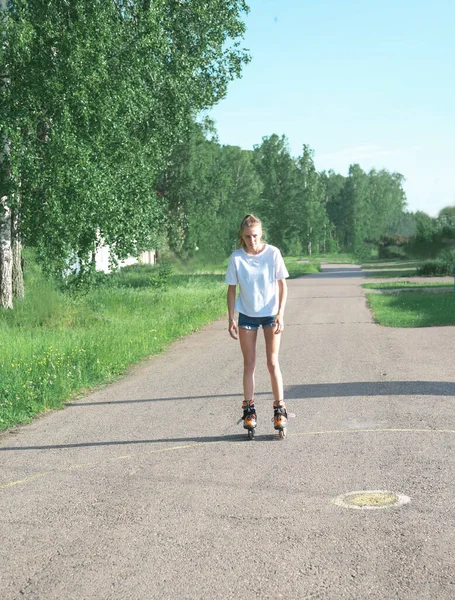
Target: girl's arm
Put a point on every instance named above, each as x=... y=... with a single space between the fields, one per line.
x=283 y=295
x=233 y=331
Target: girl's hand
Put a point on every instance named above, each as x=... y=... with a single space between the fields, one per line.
x=233 y=331
x=278 y=326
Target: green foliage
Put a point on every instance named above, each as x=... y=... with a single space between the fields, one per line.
x=363 y=252
x=386 y=204
x=161 y=279
x=438 y=267
x=402 y=227
x=312 y=221
x=366 y=208
x=277 y=171
x=99 y=93
x=392 y=246
x=446 y=218
x=433 y=237
x=358 y=217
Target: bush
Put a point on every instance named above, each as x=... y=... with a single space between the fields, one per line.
x=161 y=279
x=392 y=247
x=391 y=252
x=436 y=268
x=363 y=253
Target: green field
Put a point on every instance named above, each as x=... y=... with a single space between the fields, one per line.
x=413 y=309
x=297 y=268
x=421 y=304
x=54 y=344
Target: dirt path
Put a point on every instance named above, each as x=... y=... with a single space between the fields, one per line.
x=149 y=489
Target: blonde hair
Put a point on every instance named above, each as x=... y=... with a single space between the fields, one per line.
x=248 y=221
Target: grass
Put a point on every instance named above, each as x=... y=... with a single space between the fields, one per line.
x=390 y=268
x=412 y=285
x=422 y=306
x=297 y=269
x=54 y=345
x=417 y=309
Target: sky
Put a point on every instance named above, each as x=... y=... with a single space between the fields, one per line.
x=360 y=81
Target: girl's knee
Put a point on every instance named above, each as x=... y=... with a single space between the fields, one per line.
x=249 y=364
x=273 y=365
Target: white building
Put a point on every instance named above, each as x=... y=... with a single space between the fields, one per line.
x=148 y=257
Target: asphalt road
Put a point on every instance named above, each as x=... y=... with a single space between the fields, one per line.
x=149 y=489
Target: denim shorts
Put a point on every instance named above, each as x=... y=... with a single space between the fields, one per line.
x=253 y=323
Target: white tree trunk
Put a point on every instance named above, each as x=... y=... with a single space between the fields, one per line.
x=6 y=250
x=6 y=255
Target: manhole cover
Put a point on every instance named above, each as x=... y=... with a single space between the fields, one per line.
x=371 y=499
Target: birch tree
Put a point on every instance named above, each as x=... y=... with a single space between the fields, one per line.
x=6 y=255
x=313 y=220
x=6 y=251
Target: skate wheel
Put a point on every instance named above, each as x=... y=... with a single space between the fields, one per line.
x=250 y=434
x=282 y=433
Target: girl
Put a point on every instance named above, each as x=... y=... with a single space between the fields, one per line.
x=259 y=271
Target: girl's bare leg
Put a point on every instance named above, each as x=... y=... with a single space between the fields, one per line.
x=272 y=348
x=248 y=339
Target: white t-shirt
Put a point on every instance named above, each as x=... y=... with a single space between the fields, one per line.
x=257 y=276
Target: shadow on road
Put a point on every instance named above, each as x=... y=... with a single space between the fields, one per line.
x=371 y=388
x=317 y=390
x=195 y=440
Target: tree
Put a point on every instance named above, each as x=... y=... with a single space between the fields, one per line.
x=333 y=185
x=312 y=215
x=387 y=203
x=242 y=190
x=277 y=171
x=187 y=185
x=433 y=236
x=356 y=216
x=101 y=90
x=6 y=255
x=446 y=218
x=6 y=249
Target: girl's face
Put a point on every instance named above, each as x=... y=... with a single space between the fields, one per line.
x=252 y=238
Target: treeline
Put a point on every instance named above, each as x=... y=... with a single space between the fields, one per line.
x=208 y=188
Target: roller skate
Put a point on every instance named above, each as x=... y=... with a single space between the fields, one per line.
x=280 y=418
x=249 y=418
